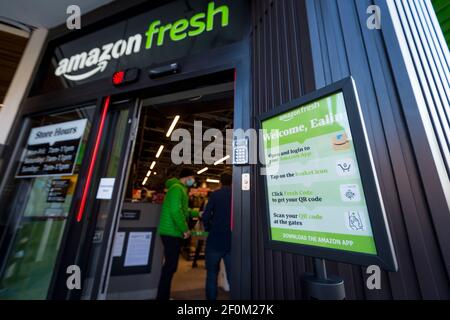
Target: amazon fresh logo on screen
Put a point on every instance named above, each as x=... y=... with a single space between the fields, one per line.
x=97 y=59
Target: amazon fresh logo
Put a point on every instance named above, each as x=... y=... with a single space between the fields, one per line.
x=289 y=116
x=96 y=60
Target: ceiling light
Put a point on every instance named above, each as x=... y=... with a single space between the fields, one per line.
x=155 y=173
x=221 y=160
x=172 y=126
x=145 y=181
x=149 y=173
x=153 y=165
x=158 y=154
x=212 y=181
x=203 y=170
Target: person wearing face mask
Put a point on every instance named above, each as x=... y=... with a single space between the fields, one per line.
x=173 y=227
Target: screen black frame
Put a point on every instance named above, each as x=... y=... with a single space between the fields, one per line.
x=385 y=257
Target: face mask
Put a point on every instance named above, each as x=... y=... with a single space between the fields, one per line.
x=190 y=182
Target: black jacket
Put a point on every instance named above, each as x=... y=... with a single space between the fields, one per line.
x=217 y=219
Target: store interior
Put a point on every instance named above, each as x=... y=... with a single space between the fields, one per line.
x=152 y=166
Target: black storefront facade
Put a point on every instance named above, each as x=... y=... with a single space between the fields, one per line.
x=275 y=51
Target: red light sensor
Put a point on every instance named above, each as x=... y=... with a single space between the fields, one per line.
x=118 y=77
x=124 y=77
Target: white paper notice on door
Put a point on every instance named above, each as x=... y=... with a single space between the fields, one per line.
x=118 y=244
x=138 y=249
x=105 y=189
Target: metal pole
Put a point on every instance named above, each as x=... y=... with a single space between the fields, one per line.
x=320 y=269
x=320 y=286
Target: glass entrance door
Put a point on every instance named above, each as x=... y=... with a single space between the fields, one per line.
x=105 y=194
x=60 y=209
x=36 y=204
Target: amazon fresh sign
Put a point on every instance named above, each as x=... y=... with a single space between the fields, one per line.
x=83 y=65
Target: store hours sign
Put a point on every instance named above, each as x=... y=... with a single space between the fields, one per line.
x=52 y=150
x=322 y=194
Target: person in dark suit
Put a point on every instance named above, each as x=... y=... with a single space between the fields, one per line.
x=217 y=221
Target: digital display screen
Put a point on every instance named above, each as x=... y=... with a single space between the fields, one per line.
x=313 y=183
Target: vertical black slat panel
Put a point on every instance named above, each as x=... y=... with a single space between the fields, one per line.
x=345 y=271
x=257 y=252
x=437 y=279
x=267 y=48
x=291 y=33
x=359 y=280
x=410 y=191
x=366 y=57
x=278 y=78
x=262 y=108
x=277 y=84
x=402 y=284
x=272 y=79
x=261 y=105
x=322 y=50
x=262 y=261
x=268 y=93
x=287 y=32
x=255 y=90
x=320 y=62
x=259 y=77
x=287 y=77
x=294 y=61
x=275 y=98
x=284 y=73
x=333 y=266
x=288 y=277
x=352 y=19
x=432 y=188
x=439 y=102
x=436 y=59
x=316 y=43
x=360 y=71
x=424 y=229
x=429 y=160
x=440 y=275
x=339 y=69
x=300 y=35
x=334 y=40
x=302 y=41
x=298 y=268
x=424 y=63
x=441 y=75
x=274 y=28
x=438 y=39
x=289 y=71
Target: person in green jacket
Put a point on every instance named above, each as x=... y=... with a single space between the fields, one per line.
x=173 y=227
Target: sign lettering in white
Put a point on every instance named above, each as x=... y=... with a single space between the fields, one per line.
x=52 y=150
x=51 y=134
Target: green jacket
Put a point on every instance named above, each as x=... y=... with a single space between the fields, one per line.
x=175 y=210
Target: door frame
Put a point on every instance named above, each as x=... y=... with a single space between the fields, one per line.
x=101 y=278
x=233 y=57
